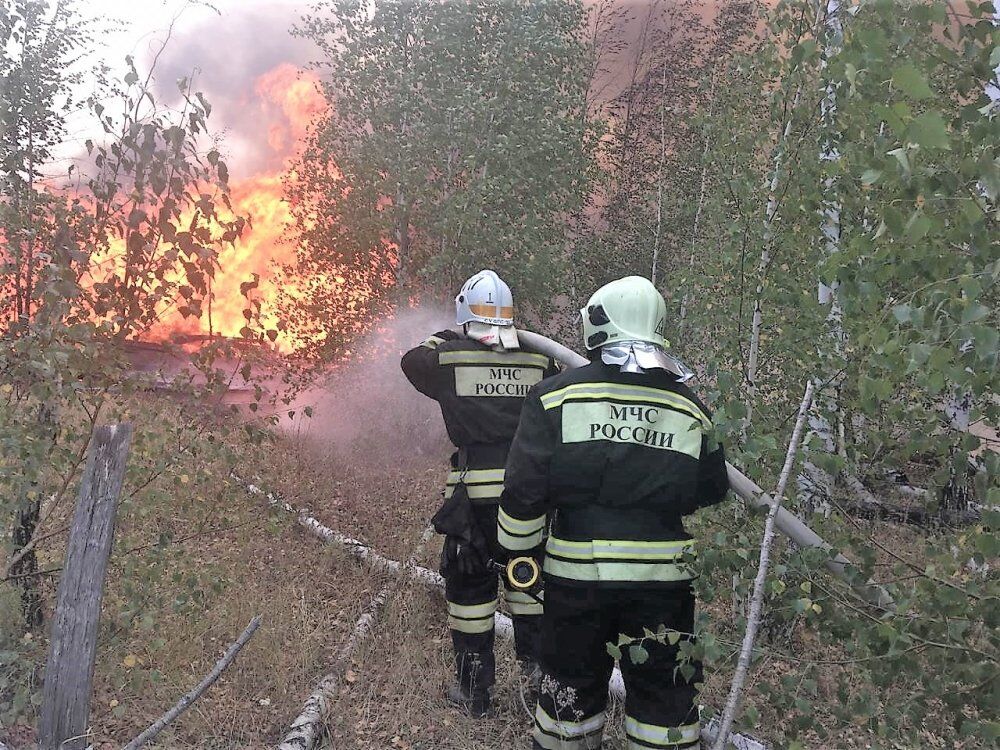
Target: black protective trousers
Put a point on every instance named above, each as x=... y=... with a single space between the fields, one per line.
x=660 y=705
x=472 y=602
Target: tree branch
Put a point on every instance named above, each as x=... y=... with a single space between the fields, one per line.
x=189 y=699
x=757 y=601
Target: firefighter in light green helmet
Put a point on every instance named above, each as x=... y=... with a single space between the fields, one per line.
x=612 y=456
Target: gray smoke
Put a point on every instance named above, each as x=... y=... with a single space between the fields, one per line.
x=226 y=55
x=366 y=412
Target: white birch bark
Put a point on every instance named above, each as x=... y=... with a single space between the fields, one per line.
x=309 y=727
x=658 y=236
x=757 y=600
x=686 y=299
x=764 y=264
x=191 y=697
x=815 y=485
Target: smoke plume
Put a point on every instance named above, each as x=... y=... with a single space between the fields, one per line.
x=366 y=412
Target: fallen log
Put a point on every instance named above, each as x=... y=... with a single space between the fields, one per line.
x=786 y=522
x=503 y=625
x=868 y=506
x=355 y=547
x=308 y=727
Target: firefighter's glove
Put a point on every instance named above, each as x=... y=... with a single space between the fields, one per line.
x=466 y=549
x=448 y=334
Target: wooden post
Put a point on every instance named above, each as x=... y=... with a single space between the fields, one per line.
x=70 y=667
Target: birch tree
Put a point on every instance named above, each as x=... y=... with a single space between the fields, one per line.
x=456 y=139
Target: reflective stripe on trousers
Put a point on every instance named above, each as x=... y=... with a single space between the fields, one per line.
x=471 y=618
x=520 y=603
x=567 y=734
x=644 y=736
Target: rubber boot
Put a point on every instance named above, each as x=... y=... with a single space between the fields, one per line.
x=476 y=705
x=531 y=673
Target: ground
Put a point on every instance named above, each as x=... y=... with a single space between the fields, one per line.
x=310 y=596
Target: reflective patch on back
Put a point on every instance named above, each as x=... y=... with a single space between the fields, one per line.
x=498 y=381
x=649 y=425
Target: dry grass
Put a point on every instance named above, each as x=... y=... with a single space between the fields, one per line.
x=310 y=596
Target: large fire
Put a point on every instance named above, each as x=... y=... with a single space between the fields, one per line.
x=288 y=100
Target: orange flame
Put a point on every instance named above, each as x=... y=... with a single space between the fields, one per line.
x=289 y=99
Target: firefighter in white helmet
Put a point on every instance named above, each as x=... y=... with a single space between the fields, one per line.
x=615 y=453
x=480 y=381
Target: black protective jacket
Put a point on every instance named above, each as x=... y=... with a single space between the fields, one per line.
x=480 y=393
x=614 y=461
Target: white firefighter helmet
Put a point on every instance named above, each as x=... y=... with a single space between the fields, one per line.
x=485 y=298
x=629 y=309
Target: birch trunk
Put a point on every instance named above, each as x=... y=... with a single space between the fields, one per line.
x=658 y=236
x=764 y=264
x=757 y=601
x=815 y=485
x=191 y=697
x=309 y=727
x=686 y=299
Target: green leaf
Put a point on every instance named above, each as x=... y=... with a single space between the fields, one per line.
x=929 y=131
x=903 y=158
x=613 y=651
x=871 y=176
x=637 y=654
x=910 y=81
x=918 y=226
x=986 y=340
x=973 y=312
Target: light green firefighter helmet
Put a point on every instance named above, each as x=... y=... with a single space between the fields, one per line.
x=629 y=309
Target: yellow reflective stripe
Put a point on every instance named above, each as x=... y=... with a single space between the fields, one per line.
x=470 y=611
x=623 y=392
x=528 y=610
x=519 y=596
x=565 y=727
x=624 y=549
x=663 y=736
x=477 y=476
x=517 y=526
x=492 y=311
x=493 y=358
x=520 y=603
x=548 y=742
x=483 y=625
x=554 y=734
x=635 y=572
x=477 y=491
x=519 y=542
x=432 y=342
